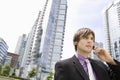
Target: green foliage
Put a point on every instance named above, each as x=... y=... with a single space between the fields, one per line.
x=12 y=78
x=6 y=69
x=32 y=73
x=0 y=68
x=50 y=75
x=18 y=78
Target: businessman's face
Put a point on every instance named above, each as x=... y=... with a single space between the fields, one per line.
x=85 y=44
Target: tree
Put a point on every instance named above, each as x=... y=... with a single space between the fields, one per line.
x=32 y=73
x=50 y=75
x=6 y=69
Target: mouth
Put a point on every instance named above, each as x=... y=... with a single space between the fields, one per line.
x=88 y=46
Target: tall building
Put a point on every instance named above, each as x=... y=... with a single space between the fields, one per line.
x=32 y=49
x=3 y=50
x=43 y=51
x=112 y=29
x=54 y=36
x=20 y=48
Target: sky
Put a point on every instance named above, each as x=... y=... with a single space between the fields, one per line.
x=18 y=16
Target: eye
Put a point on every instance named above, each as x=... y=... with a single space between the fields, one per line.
x=92 y=38
x=85 y=37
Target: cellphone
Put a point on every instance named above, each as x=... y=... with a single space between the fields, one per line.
x=94 y=49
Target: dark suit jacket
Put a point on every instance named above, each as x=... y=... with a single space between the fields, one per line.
x=71 y=69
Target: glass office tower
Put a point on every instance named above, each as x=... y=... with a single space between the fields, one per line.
x=3 y=50
x=112 y=28
x=54 y=36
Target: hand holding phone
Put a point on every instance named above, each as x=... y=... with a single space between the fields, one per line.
x=103 y=55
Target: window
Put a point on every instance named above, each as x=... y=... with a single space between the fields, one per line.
x=60 y=22
x=62 y=6
x=61 y=17
x=61 y=11
x=59 y=28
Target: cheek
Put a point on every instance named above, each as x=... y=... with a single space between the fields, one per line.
x=81 y=45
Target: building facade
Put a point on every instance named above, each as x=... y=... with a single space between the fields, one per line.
x=20 y=48
x=54 y=36
x=3 y=50
x=112 y=29
x=42 y=52
x=32 y=50
x=14 y=59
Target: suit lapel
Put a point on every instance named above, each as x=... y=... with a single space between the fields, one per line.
x=79 y=68
x=97 y=69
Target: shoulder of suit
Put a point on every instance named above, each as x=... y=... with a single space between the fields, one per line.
x=95 y=60
x=99 y=62
x=65 y=61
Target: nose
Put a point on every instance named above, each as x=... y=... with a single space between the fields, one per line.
x=90 y=40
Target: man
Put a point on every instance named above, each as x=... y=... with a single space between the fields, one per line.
x=74 y=68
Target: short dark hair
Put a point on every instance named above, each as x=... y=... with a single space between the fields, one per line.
x=81 y=33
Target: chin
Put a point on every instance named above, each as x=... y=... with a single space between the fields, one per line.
x=89 y=51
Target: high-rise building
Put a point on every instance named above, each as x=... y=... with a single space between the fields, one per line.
x=20 y=48
x=54 y=36
x=112 y=29
x=3 y=50
x=30 y=57
x=43 y=51
x=32 y=49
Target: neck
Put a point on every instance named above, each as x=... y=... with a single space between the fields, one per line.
x=85 y=55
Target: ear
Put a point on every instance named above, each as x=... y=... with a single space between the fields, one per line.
x=75 y=43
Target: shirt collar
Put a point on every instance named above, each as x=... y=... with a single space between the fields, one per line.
x=80 y=57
